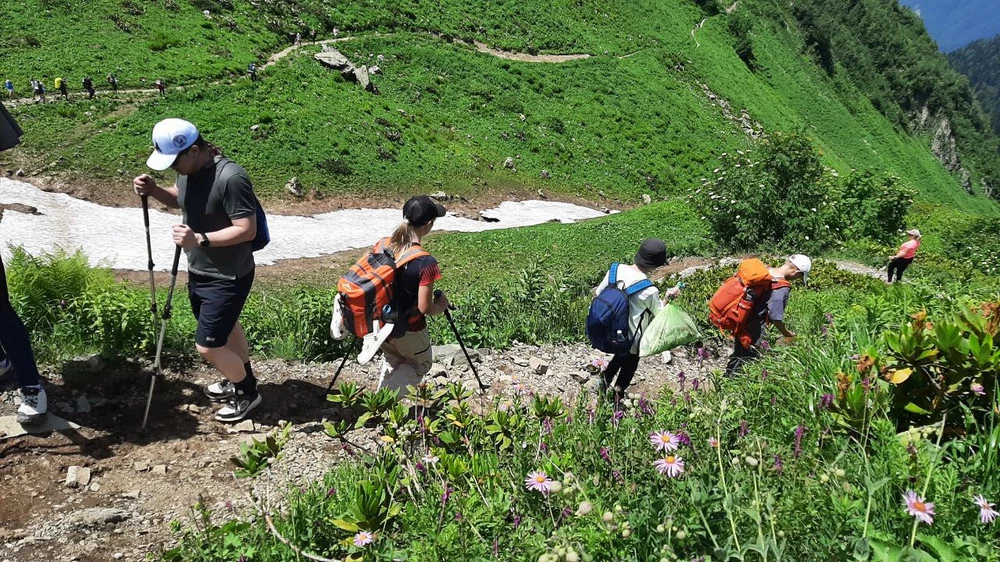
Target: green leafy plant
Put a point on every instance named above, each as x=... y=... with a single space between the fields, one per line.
x=256 y=456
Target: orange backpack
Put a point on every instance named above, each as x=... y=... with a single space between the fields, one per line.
x=367 y=287
x=731 y=307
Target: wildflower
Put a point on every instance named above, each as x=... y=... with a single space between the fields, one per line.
x=778 y=465
x=617 y=417
x=682 y=379
x=605 y=454
x=646 y=407
x=683 y=438
x=430 y=459
x=977 y=389
x=517 y=521
x=600 y=363
x=918 y=507
x=590 y=416
x=363 y=538
x=446 y=494
x=986 y=512
x=664 y=441
x=744 y=428
x=538 y=481
x=799 y=432
x=585 y=508
x=825 y=401
x=763 y=375
x=765 y=345
x=713 y=442
x=617 y=475
x=670 y=465
x=695 y=384
x=229 y=507
x=331 y=492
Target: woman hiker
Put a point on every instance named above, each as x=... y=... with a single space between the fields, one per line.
x=904 y=257
x=407 y=354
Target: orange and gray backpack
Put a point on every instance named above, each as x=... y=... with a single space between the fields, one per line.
x=366 y=289
x=732 y=306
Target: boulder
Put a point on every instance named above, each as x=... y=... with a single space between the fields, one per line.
x=508 y=163
x=294 y=186
x=77 y=476
x=96 y=516
x=363 y=79
x=332 y=58
x=537 y=365
x=646 y=199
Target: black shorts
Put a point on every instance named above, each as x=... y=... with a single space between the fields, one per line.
x=217 y=304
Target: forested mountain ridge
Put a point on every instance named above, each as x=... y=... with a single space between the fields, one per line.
x=980 y=61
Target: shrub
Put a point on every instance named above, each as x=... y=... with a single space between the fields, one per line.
x=976 y=246
x=872 y=206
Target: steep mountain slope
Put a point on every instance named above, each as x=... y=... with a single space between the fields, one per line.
x=955 y=23
x=980 y=61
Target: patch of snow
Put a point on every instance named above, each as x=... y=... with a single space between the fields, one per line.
x=115 y=237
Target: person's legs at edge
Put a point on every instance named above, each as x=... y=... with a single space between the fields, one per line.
x=17 y=345
x=901 y=267
x=612 y=369
x=739 y=356
x=629 y=364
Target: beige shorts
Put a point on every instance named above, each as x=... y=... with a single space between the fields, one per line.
x=405 y=361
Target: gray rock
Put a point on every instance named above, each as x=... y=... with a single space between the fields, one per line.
x=440 y=196
x=254 y=127
x=95 y=487
x=646 y=198
x=364 y=80
x=538 y=366
x=545 y=175
x=245 y=426
x=508 y=163
x=82 y=405
x=374 y=70
x=332 y=58
x=160 y=469
x=19 y=173
x=140 y=466
x=487 y=217
x=442 y=352
x=437 y=370
x=77 y=476
x=580 y=377
x=96 y=516
x=133 y=495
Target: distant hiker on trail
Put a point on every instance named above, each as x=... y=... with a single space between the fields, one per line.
x=312 y=35
x=252 y=71
x=88 y=84
x=38 y=89
x=218 y=235
x=335 y=32
x=627 y=290
x=113 y=82
x=904 y=257
x=9 y=86
x=15 y=345
x=63 y=89
x=298 y=39
x=748 y=301
x=161 y=87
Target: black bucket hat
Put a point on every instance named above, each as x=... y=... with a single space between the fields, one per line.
x=652 y=253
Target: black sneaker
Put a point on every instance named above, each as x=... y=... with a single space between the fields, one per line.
x=238 y=407
x=220 y=391
x=34 y=406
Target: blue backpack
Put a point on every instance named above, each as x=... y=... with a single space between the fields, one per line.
x=263 y=237
x=608 y=320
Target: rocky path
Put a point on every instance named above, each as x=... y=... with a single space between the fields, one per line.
x=129 y=485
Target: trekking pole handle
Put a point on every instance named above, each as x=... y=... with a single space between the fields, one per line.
x=145 y=209
x=438 y=293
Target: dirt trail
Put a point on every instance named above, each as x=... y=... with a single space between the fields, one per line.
x=142 y=481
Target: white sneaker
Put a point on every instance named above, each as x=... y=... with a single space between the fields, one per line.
x=238 y=407
x=4 y=367
x=337 y=331
x=34 y=405
x=220 y=391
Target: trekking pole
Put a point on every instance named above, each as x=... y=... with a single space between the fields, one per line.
x=337 y=374
x=149 y=252
x=454 y=329
x=167 y=308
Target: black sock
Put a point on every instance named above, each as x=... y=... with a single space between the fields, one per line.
x=248 y=385
x=248 y=369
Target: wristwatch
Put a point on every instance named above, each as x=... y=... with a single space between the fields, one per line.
x=205 y=242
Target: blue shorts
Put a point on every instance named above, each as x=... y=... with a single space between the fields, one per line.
x=217 y=304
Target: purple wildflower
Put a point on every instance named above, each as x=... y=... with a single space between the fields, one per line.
x=517 y=521
x=682 y=379
x=363 y=538
x=866 y=384
x=543 y=447
x=763 y=372
x=687 y=397
x=458 y=516
x=547 y=425
x=683 y=438
x=447 y=493
x=695 y=384
x=765 y=345
x=744 y=428
x=606 y=454
x=977 y=389
x=617 y=475
x=828 y=317
x=229 y=507
x=779 y=466
x=331 y=492
x=799 y=432
x=420 y=467
x=646 y=407
x=617 y=417
x=825 y=401
x=496 y=548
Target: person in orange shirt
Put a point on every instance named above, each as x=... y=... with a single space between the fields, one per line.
x=904 y=257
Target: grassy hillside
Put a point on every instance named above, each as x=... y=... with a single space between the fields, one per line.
x=447 y=114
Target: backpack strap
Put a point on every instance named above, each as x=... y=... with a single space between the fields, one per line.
x=416 y=251
x=638 y=287
x=779 y=283
x=613 y=275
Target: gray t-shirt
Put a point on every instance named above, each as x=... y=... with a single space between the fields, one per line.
x=773 y=310
x=209 y=206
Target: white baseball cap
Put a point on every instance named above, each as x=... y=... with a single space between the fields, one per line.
x=803 y=264
x=913 y=232
x=170 y=138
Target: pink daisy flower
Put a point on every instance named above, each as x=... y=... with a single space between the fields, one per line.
x=977 y=389
x=918 y=507
x=670 y=465
x=538 y=481
x=986 y=512
x=430 y=459
x=600 y=363
x=363 y=538
x=664 y=441
x=713 y=442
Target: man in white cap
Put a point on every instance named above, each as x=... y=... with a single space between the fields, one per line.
x=904 y=257
x=771 y=310
x=220 y=224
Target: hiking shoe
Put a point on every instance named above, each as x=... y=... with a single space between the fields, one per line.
x=220 y=391
x=238 y=407
x=4 y=367
x=34 y=406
